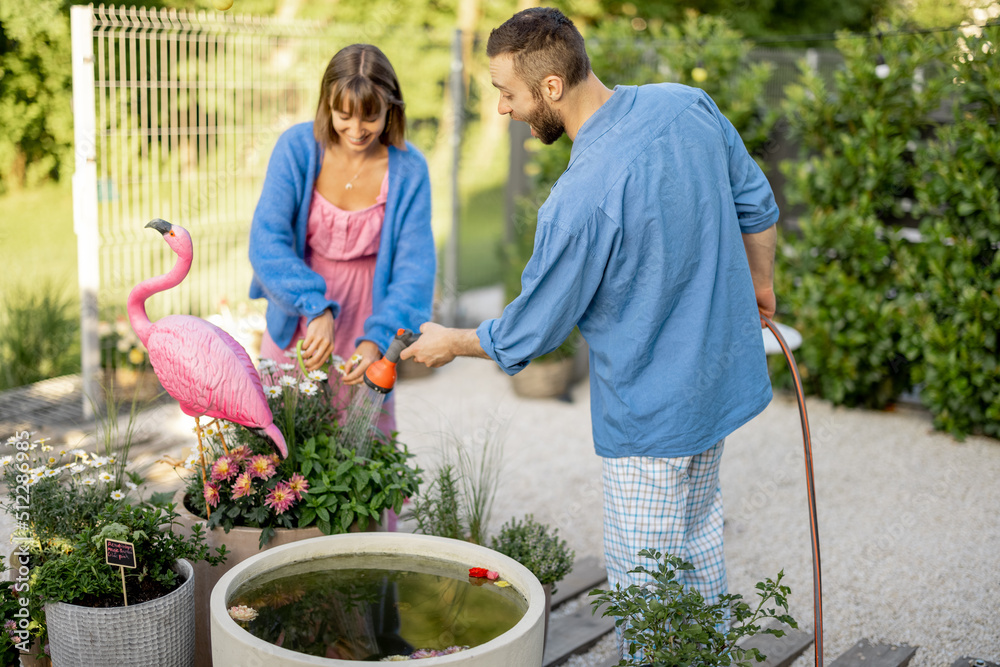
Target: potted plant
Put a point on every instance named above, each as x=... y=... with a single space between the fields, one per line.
x=541 y=550
x=250 y=500
x=671 y=625
x=54 y=492
x=19 y=630
x=97 y=614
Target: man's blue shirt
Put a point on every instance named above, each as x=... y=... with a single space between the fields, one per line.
x=639 y=243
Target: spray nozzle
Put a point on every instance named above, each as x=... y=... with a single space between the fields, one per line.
x=381 y=375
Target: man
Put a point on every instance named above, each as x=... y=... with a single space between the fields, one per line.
x=657 y=241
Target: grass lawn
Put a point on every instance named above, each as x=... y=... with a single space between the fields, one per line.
x=36 y=234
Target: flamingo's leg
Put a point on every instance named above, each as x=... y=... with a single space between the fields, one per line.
x=201 y=455
x=218 y=425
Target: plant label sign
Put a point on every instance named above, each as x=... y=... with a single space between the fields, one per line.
x=121 y=554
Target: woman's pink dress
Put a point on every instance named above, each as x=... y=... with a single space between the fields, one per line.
x=341 y=246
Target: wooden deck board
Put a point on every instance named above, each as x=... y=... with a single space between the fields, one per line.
x=587 y=575
x=866 y=654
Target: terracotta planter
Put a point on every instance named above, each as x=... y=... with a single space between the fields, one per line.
x=157 y=633
x=544 y=380
x=242 y=543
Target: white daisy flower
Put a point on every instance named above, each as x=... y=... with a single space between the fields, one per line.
x=272 y=391
x=290 y=354
x=132 y=486
x=117 y=495
x=6 y=460
x=308 y=388
x=79 y=453
x=191 y=462
x=42 y=441
x=210 y=431
x=47 y=448
x=317 y=375
x=228 y=427
x=267 y=365
x=288 y=368
x=51 y=473
x=52 y=460
x=342 y=367
x=288 y=381
x=105 y=477
x=62 y=452
x=356 y=359
x=77 y=469
x=90 y=481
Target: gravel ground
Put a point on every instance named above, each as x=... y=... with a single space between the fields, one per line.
x=910 y=540
x=908 y=517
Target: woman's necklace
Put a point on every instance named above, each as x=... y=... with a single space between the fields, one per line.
x=350 y=184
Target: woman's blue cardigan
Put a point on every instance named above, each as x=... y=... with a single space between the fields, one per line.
x=403 y=285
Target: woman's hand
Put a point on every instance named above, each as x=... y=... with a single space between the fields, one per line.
x=318 y=343
x=369 y=355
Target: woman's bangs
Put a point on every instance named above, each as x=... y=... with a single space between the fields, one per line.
x=360 y=95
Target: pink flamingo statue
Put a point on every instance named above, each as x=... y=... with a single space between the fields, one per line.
x=199 y=364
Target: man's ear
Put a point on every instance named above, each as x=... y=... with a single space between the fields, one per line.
x=552 y=88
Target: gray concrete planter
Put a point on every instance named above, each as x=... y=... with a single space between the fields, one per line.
x=521 y=646
x=158 y=633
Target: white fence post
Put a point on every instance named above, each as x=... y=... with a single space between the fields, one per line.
x=85 y=199
x=458 y=107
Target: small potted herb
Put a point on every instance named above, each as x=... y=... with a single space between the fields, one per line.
x=89 y=618
x=671 y=625
x=539 y=549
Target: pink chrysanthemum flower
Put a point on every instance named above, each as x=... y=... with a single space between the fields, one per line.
x=298 y=485
x=280 y=498
x=261 y=467
x=240 y=454
x=224 y=469
x=211 y=493
x=243 y=485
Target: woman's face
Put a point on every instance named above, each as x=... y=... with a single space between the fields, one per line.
x=356 y=133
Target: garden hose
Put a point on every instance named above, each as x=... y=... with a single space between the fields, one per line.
x=811 y=492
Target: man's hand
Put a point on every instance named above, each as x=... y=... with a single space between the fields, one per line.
x=766 y=303
x=318 y=343
x=438 y=345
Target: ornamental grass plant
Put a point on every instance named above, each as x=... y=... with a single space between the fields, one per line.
x=241 y=482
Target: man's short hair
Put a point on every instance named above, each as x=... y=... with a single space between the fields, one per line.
x=542 y=42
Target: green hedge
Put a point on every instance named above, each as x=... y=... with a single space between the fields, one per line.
x=880 y=313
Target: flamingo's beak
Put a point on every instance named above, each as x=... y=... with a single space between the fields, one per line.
x=159 y=225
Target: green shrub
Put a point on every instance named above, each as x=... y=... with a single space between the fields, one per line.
x=841 y=281
x=39 y=335
x=534 y=546
x=671 y=625
x=958 y=275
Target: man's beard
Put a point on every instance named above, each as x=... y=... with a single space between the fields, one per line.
x=546 y=122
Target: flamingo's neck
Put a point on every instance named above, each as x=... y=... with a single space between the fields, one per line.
x=137 y=298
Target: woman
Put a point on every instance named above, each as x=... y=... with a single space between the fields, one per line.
x=341 y=243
